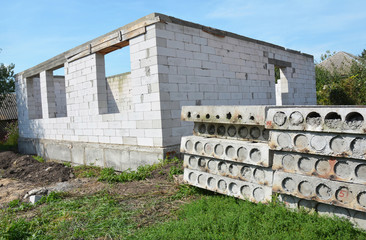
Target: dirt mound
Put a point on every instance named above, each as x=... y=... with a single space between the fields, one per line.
x=26 y=168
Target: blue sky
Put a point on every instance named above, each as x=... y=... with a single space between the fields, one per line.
x=34 y=31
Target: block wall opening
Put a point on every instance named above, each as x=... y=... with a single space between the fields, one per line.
x=34 y=102
x=117 y=78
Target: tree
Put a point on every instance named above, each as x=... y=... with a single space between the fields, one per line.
x=363 y=54
x=7 y=80
x=334 y=88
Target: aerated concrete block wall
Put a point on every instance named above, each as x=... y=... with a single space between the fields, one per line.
x=198 y=67
x=314 y=157
x=132 y=119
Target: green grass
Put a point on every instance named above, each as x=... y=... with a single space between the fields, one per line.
x=87 y=217
x=39 y=159
x=218 y=217
x=107 y=216
x=142 y=172
x=87 y=171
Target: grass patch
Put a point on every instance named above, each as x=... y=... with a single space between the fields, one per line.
x=87 y=171
x=39 y=159
x=219 y=217
x=142 y=172
x=87 y=217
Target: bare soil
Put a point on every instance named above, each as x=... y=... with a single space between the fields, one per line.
x=151 y=197
x=28 y=169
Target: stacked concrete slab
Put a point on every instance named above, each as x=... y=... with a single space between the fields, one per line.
x=228 y=152
x=319 y=159
x=313 y=157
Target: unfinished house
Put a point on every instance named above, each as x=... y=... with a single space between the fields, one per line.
x=133 y=119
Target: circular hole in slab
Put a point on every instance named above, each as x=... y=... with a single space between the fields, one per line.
x=301 y=141
x=354 y=120
x=242 y=153
x=255 y=132
x=323 y=167
x=243 y=132
x=192 y=177
x=344 y=195
x=198 y=147
x=305 y=188
x=252 y=118
x=255 y=155
x=333 y=120
x=211 y=129
x=211 y=182
x=217 y=116
x=288 y=184
x=222 y=167
x=246 y=172
x=323 y=191
x=208 y=148
x=231 y=131
x=259 y=175
x=296 y=118
x=313 y=119
x=361 y=171
x=284 y=140
x=212 y=165
x=233 y=170
x=305 y=164
x=198 y=116
x=342 y=169
x=222 y=185
x=202 y=128
x=338 y=144
x=230 y=151
x=189 y=145
x=189 y=115
x=192 y=162
x=207 y=116
x=288 y=163
x=233 y=188
x=202 y=180
x=258 y=194
x=318 y=142
x=228 y=115
x=245 y=191
x=221 y=130
x=279 y=118
x=361 y=199
x=219 y=149
x=240 y=117
x=358 y=146
x=202 y=163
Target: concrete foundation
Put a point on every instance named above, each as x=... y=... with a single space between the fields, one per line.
x=120 y=157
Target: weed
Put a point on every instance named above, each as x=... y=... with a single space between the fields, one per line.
x=39 y=159
x=67 y=164
x=87 y=171
x=175 y=171
x=142 y=172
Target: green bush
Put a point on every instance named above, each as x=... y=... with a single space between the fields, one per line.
x=12 y=134
x=334 y=88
